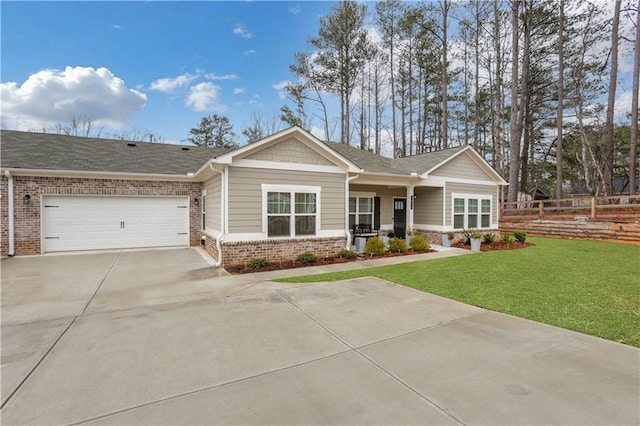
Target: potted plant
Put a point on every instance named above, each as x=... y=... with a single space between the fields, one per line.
x=447 y=239
x=476 y=239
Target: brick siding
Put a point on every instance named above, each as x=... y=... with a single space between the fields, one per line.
x=27 y=219
x=210 y=245
x=238 y=253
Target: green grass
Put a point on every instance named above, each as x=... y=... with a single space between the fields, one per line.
x=587 y=286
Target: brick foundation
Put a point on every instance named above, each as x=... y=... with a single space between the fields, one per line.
x=238 y=253
x=210 y=245
x=27 y=219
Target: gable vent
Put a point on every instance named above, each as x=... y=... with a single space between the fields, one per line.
x=185 y=148
x=131 y=144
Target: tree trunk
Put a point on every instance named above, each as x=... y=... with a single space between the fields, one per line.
x=514 y=144
x=560 y=112
x=476 y=115
x=633 y=150
x=445 y=109
x=609 y=143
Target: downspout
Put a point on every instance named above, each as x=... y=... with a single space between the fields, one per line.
x=11 y=251
x=346 y=208
x=220 y=238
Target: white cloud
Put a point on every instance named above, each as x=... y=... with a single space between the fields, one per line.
x=214 y=76
x=295 y=9
x=254 y=100
x=204 y=97
x=168 y=85
x=623 y=106
x=242 y=31
x=280 y=87
x=53 y=96
x=116 y=27
x=249 y=52
x=238 y=90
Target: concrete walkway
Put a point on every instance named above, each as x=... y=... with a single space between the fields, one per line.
x=158 y=337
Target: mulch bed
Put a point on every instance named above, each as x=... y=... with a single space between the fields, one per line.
x=292 y=264
x=496 y=245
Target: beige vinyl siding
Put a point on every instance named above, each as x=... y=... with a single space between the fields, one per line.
x=428 y=206
x=213 y=186
x=461 y=167
x=290 y=151
x=460 y=188
x=386 y=199
x=245 y=196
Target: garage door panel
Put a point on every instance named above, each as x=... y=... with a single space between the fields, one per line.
x=84 y=223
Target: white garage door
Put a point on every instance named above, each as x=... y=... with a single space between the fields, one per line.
x=89 y=223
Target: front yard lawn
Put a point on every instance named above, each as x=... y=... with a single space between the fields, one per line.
x=587 y=286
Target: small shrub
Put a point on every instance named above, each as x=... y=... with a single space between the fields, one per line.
x=374 y=246
x=520 y=236
x=397 y=245
x=468 y=234
x=307 y=258
x=450 y=235
x=257 y=263
x=418 y=243
x=347 y=254
x=507 y=239
x=488 y=238
x=390 y=234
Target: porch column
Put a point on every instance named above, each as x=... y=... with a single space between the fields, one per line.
x=410 y=205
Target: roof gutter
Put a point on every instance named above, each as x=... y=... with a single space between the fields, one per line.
x=97 y=175
x=11 y=195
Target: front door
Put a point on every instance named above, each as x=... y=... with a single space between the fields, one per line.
x=400 y=217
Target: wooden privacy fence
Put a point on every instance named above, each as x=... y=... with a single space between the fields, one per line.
x=608 y=218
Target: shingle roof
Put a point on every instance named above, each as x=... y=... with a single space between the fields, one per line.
x=366 y=160
x=374 y=163
x=44 y=151
x=425 y=162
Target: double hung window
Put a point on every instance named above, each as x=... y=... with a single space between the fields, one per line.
x=291 y=212
x=360 y=211
x=471 y=211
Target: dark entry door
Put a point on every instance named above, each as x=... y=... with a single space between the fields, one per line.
x=400 y=217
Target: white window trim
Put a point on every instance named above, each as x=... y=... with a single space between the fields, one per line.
x=357 y=196
x=291 y=189
x=203 y=203
x=480 y=198
x=361 y=194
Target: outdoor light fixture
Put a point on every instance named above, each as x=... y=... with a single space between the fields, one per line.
x=196 y=201
x=26 y=200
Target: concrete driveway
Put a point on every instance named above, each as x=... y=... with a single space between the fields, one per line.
x=159 y=337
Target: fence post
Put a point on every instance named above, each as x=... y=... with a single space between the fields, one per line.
x=541 y=212
x=593 y=207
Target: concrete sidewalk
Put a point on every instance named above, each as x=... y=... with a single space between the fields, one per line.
x=159 y=339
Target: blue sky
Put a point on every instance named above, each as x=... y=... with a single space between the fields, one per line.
x=158 y=66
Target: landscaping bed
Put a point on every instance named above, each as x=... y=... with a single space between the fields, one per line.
x=293 y=264
x=496 y=245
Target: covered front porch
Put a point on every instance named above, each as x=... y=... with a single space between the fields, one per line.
x=398 y=205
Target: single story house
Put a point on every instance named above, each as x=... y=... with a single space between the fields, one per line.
x=276 y=198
